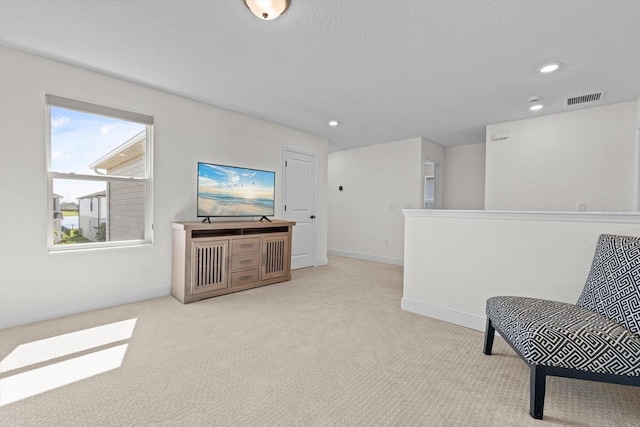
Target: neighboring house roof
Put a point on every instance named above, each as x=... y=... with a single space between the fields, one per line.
x=102 y=193
x=57 y=196
x=128 y=150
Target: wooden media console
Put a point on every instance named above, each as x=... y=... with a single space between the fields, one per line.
x=211 y=259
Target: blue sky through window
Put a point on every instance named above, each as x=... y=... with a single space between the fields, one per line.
x=79 y=139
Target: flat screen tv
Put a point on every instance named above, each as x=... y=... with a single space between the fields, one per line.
x=230 y=191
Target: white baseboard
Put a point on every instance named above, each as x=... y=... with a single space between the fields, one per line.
x=39 y=314
x=452 y=316
x=367 y=257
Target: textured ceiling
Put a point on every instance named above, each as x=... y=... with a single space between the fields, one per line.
x=386 y=70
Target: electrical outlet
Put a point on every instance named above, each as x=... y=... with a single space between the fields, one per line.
x=582 y=207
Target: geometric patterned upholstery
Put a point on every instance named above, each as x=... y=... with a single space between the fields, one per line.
x=600 y=334
x=613 y=285
x=564 y=335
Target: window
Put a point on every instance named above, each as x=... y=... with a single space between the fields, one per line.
x=429 y=192
x=429 y=185
x=99 y=175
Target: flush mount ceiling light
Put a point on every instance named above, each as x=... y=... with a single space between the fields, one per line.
x=549 y=68
x=267 y=9
x=535 y=104
x=333 y=123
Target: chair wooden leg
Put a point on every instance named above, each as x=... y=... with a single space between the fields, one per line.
x=538 y=385
x=489 y=334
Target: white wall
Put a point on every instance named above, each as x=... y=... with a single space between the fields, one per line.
x=456 y=260
x=365 y=219
x=463 y=179
x=550 y=163
x=37 y=285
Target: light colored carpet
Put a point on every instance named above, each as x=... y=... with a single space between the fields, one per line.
x=329 y=348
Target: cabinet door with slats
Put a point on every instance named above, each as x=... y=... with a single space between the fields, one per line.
x=209 y=265
x=276 y=258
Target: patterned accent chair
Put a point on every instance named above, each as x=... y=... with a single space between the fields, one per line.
x=597 y=339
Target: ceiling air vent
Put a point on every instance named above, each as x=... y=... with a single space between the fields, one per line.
x=583 y=99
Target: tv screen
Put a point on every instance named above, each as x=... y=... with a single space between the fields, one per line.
x=233 y=191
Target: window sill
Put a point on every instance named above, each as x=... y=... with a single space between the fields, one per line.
x=75 y=247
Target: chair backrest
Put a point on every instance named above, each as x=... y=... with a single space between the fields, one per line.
x=613 y=285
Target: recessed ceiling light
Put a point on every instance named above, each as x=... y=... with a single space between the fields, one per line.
x=549 y=68
x=535 y=104
x=333 y=123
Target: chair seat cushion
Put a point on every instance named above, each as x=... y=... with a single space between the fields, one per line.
x=565 y=335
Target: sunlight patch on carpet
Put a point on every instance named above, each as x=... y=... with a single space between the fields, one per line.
x=40 y=380
x=64 y=345
x=55 y=375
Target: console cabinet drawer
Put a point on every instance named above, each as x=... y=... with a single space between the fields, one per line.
x=243 y=246
x=245 y=277
x=245 y=261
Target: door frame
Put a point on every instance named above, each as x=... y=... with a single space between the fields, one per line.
x=285 y=150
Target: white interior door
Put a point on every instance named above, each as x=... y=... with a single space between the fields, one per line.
x=300 y=206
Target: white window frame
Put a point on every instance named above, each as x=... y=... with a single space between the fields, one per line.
x=57 y=101
x=428 y=201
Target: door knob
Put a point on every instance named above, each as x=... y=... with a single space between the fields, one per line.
x=312 y=217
